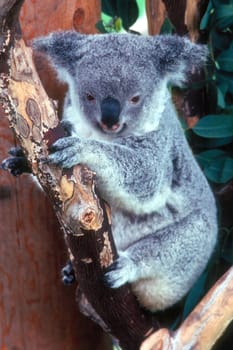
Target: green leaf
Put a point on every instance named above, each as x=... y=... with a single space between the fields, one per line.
x=217 y=165
x=205 y=158
x=225 y=60
x=118 y=24
x=227 y=79
x=213 y=126
x=224 y=23
x=221 y=98
x=217 y=40
x=206 y=18
x=127 y=10
x=223 y=11
x=100 y=26
x=167 y=27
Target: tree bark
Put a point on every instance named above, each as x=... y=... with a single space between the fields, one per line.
x=81 y=15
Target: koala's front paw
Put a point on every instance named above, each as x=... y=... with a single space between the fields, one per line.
x=65 y=152
x=17 y=164
x=119 y=272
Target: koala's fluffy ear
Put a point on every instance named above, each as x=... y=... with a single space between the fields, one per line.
x=62 y=48
x=176 y=56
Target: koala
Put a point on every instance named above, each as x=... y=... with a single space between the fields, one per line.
x=123 y=126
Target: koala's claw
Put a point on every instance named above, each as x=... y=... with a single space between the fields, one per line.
x=16 y=152
x=17 y=164
x=63 y=143
x=117 y=273
x=65 y=152
x=67 y=274
x=68 y=127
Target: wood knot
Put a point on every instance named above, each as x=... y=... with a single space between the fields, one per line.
x=33 y=111
x=78 y=18
x=87 y=218
x=22 y=127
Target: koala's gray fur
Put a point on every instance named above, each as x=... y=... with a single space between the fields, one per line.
x=163 y=211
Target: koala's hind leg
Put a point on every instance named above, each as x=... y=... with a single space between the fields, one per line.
x=163 y=266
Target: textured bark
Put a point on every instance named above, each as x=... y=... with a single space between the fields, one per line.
x=156 y=13
x=158 y=10
x=43 y=17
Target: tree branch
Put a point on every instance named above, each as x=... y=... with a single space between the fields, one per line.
x=204 y=325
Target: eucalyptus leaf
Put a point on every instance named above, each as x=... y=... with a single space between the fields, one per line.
x=100 y=26
x=109 y=7
x=217 y=126
x=206 y=18
x=128 y=11
x=225 y=60
x=217 y=165
x=221 y=98
x=224 y=78
x=223 y=11
x=224 y=23
x=205 y=158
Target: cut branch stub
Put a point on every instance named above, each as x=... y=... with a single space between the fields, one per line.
x=81 y=205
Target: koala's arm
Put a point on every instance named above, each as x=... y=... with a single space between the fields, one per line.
x=127 y=169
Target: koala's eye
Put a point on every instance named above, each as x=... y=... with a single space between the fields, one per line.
x=90 y=97
x=135 y=99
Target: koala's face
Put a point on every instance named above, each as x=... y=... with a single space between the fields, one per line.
x=117 y=82
x=112 y=92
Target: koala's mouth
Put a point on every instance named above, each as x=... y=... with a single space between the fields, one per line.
x=113 y=129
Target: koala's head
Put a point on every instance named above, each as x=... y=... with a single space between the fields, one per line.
x=118 y=81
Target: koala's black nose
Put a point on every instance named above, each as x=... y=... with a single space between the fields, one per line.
x=110 y=111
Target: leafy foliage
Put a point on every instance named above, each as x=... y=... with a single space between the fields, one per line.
x=123 y=14
x=217 y=25
x=214 y=132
